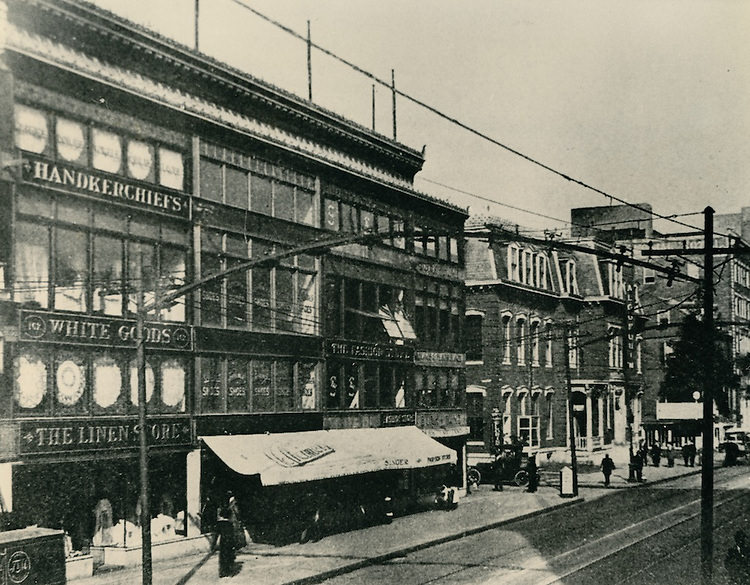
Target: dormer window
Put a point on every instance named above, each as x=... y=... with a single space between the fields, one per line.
x=541 y=271
x=528 y=267
x=514 y=263
x=571 y=282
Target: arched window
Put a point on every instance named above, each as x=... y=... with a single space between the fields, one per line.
x=521 y=340
x=506 y=319
x=534 y=334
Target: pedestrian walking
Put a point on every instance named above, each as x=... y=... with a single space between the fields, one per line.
x=671 y=454
x=643 y=451
x=607 y=467
x=225 y=531
x=240 y=540
x=637 y=462
x=686 y=454
x=533 y=472
x=691 y=453
x=498 y=471
x=656 y=453
x=731 y=453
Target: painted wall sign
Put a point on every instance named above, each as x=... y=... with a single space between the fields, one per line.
x=68 y=436
x=100 y=331
x=373 y=351
x=39 y=171
x=439 y=270
x=440 y=359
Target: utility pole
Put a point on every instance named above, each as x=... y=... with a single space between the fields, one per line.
x=571 y=419
x=143 y=426
x=707 y=469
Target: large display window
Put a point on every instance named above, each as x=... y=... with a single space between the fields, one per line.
x=282 y=297
x=240 y=384
x=95 y=256
x=73 y=382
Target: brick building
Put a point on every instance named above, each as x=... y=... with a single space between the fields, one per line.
x=524 y=295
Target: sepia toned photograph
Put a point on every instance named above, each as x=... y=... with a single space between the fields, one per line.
x=363 y=292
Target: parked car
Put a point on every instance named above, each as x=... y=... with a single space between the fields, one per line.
x=740 y=437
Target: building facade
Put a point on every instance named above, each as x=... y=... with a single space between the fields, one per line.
x=524 y=298
x=132 y=166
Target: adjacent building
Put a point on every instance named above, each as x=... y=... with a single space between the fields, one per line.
x=132 y=166
x=525 y=299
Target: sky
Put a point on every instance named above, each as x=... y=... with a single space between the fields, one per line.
x=648 y=101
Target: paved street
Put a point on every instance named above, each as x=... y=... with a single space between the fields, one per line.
x=645 y=535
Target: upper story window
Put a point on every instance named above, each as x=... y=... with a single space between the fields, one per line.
x=662 y=317
x=281 y=297
x=534 y=334
x=649 y=276
x=573 y=350
x=615 y=347
x=81 y=143
x=527 y=273
x=571 y=280
x=615 y=281
x=521 y=340
x=344 y=216
x=436 y=314
x=507 y=321
x=474 y=346
x=541 y=271
x=74 y=255
x=261 y=187
x=514 y=263
x=432 y=242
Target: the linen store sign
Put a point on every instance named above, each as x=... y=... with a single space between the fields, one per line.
x=100 y=331
x=39 y=171
x=65 y=436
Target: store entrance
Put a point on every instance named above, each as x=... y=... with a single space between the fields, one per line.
x=72 y=495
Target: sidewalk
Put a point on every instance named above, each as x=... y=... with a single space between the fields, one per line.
x=483 y=509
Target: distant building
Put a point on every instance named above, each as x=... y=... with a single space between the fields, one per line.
x=522 y=297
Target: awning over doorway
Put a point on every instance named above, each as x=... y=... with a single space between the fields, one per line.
x=306 y=456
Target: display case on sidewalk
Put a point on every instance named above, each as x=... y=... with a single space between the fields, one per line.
x=32 y=555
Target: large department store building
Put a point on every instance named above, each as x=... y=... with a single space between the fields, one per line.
x=130 y=162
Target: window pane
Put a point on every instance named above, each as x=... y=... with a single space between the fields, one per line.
x=443 y=246
x=349 y=220
x=31 y=129
x=73 y=210
x=283 y=201
x=260 y=194
x=262 y=385
x=284 y=299
x=367 y=219
x=35 y=204
x=261 y=306
x=284 y=385
x=145 y=227
x=70 y=383
x=30 y=383
x=331 y=214
x=141 y=157
x=107 y=151
x=305 y=204
x=171 y=169
x=307 y=384
x=237 y=187
x=143 y=256
x=173 y=276
x=107 y=382
x=71 y=267
x=211 y=382
x=173 y=384
x=110 y=219
x=211 y=179
x=333 y=385
x=107 y=283
x=371 y=385
x=211 y=292
x=398 y=228
x=237 y=246
x=71 y=141
x=31 y=264
x=351 y=376
x=305 y=317
x=134 y=382
x=238 y=387
x=383 y=225
x=237 y=301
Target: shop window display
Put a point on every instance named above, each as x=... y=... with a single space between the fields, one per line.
x=30 y=387
x=70 y=383
x=107 y=381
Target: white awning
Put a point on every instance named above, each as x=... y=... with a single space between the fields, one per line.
x=306 y=456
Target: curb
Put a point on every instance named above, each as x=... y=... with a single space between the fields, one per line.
x=646 y=482
x=402 y=552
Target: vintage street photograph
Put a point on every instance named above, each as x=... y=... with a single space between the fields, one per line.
x=352 y=292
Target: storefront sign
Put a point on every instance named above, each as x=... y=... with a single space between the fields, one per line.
x=373 y=351
x=100 y=331
x=67 y=436
x=42 y=172
x=439 y=270
x=630 y=326
x=439 y=359
x=398 y=419
x=296 y=456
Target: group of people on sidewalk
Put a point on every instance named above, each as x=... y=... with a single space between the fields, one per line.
x=640 y=459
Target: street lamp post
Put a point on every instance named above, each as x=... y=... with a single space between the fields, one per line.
x=571 y=421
